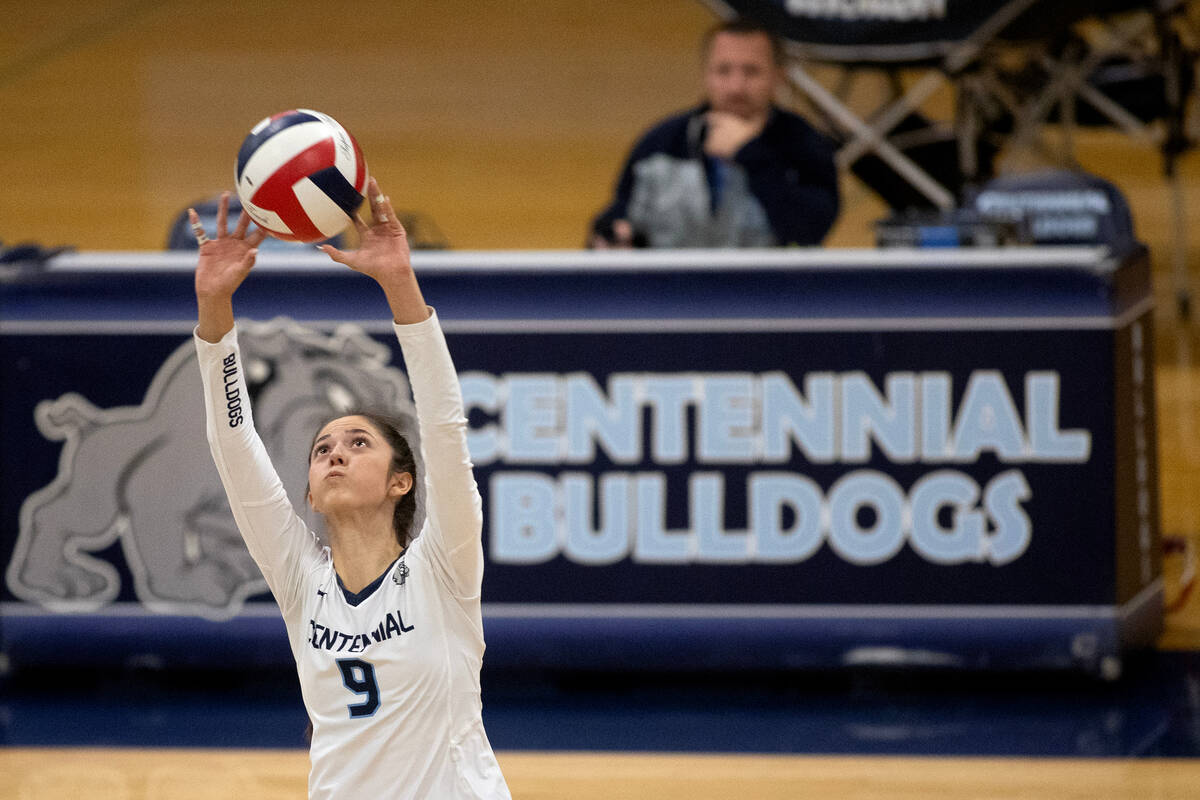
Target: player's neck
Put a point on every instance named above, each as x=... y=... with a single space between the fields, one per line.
x=361 y=552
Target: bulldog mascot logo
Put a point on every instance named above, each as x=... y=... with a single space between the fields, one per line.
x=142 y=476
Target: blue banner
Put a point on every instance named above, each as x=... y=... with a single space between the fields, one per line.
x=932 y=457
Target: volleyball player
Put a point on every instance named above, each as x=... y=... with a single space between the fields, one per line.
x=385 y=623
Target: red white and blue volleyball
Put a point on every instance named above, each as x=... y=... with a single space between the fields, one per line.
x=301 y=176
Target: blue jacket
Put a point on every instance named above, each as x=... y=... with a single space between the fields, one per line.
x=779 y=189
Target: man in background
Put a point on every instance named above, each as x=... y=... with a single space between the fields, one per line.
x=737 y=171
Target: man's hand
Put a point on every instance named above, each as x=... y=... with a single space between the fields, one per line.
x=728 y=133
x=622 y=238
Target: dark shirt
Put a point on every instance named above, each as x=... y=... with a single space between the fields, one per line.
x=780 y=188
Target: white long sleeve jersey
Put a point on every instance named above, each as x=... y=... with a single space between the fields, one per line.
x=390 y=676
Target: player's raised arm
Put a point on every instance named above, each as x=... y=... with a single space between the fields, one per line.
x=224 y=263
x=275 y=536
x=453 y=506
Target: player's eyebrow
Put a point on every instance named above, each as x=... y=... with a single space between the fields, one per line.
x=325 y=436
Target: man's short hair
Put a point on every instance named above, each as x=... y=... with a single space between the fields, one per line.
x=743 y=27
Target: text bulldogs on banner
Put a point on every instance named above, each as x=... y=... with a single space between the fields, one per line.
x=843 y=467
x=760 y=419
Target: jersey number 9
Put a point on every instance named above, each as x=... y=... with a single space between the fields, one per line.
x=359 y=677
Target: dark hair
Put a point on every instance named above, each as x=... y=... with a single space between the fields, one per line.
x=743 y=26
x=402 y=461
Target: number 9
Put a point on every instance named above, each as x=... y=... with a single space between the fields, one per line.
x=359 y=677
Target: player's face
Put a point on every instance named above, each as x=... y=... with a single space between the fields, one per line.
x=740 y=76
x=350 y=468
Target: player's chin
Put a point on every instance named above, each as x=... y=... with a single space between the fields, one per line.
x=332 y=498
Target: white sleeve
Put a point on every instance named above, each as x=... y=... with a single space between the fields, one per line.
x=453 y=507
x=278 y=540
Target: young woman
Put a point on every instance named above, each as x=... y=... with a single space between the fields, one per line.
x=385 y=623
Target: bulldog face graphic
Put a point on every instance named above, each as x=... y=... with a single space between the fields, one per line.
x=142 y=475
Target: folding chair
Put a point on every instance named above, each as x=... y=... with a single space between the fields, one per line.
x=966 y=46
x=940 y=37
x=1128 y=70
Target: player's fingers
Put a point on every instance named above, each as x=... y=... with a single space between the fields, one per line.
x=248 y=259
x=360 y=225
x=243 y=224
x=256 y=238
x=223 y=215
x=381 y=206
x=197 y=228
x=335 y=254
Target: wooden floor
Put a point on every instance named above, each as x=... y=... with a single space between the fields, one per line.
x=281 y=775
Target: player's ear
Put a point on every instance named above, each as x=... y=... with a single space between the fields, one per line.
x=401 y=484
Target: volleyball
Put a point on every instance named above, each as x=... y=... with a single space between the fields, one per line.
x=301 y=175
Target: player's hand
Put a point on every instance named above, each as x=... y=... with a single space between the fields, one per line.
x=728 y=133
x=383 y=251
x=226 y=260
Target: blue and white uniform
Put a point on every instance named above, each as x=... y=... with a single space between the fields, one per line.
x=390 y=676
